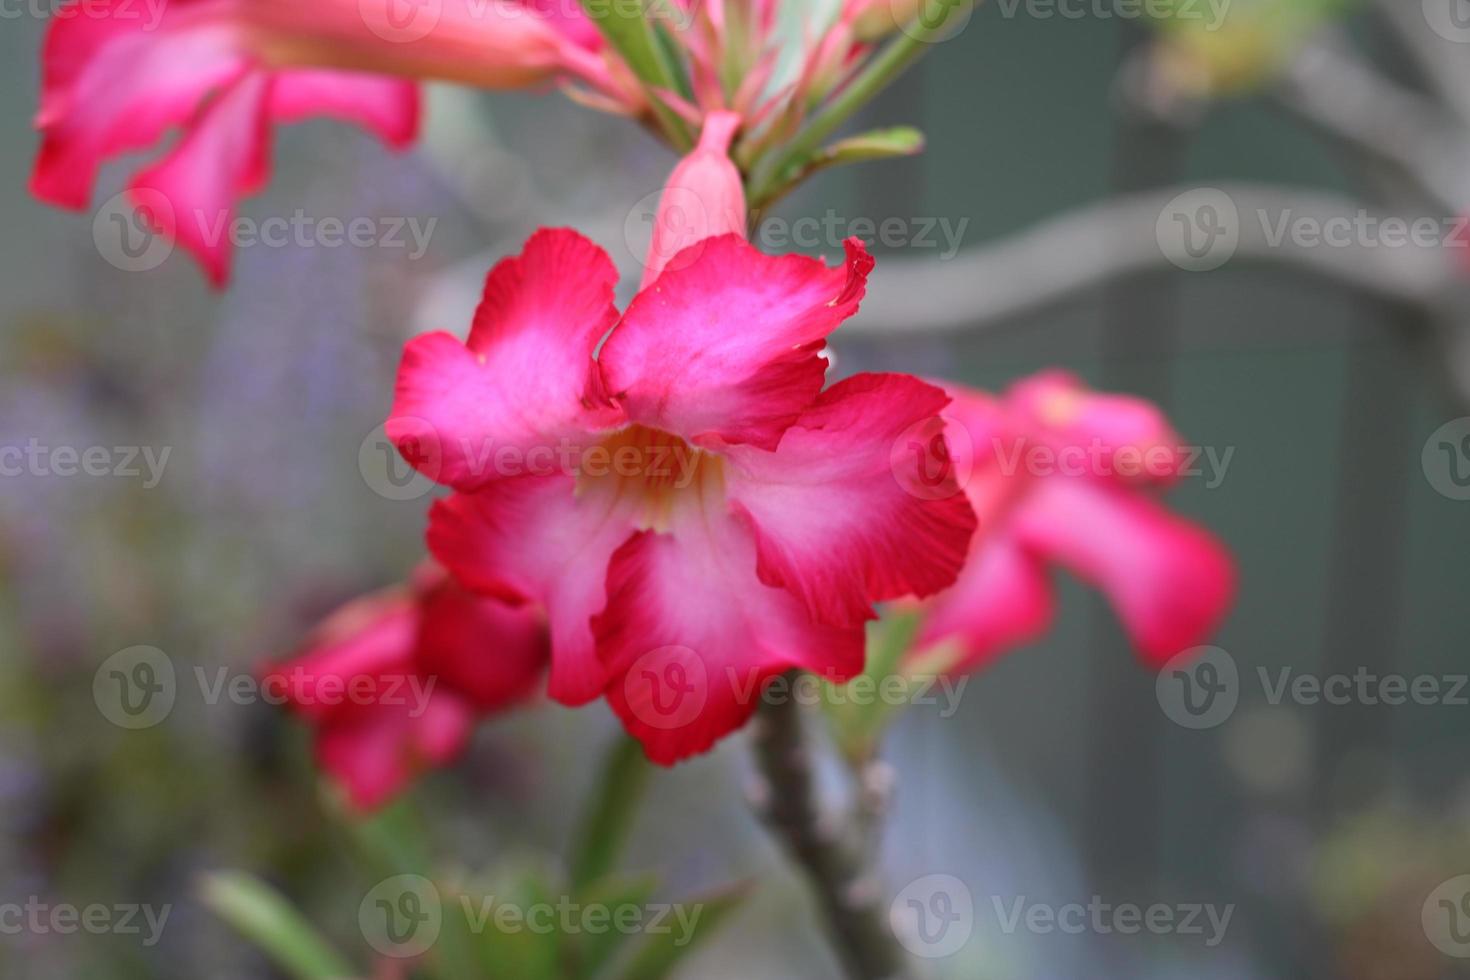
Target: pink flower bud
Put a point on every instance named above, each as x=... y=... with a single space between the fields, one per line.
x=704 y=197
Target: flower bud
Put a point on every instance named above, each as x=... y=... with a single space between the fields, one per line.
x=703 y=198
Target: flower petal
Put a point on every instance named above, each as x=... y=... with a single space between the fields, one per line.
x=113 y=83
x=725 y=348
x=837 y=511
x=222 y=158
x=1110 y=436
x=524 y=385
x=533 y=538
x=375 y=751
x=489 y=651
x=690 y=637
x=388 y=107
x=1170 y=581
x=1003 y=600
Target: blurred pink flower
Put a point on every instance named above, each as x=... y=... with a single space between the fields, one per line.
x=394 y=682
x=691 y=507
x=117 y=76
x=1062 y=475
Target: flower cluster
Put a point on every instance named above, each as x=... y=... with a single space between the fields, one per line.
x=705 y=513
x=117 y=80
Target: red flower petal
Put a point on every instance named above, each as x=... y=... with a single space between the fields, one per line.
x=524 y=386
x=838 y=513
x=532 y=538
x=1003 y=599
x=1170 y=581
x=690 y=637
x=725 y=348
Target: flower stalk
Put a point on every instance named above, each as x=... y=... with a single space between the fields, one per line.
x=835 y=861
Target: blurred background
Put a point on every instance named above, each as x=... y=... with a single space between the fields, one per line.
x=1060 y=138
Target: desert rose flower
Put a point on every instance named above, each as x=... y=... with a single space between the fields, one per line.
x=694 y=511
x=1063 y=476
x=393 y=683
x=118 y=76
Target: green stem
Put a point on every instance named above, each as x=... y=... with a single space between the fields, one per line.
x=610 y=813
x=900 y=54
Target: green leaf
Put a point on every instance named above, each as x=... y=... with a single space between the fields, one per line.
x=393 y=840
x=263 y=916
x=509 y=948
x=878 y=144
x=857 y=724
x=660 y=954
x=610 y=813
x=589 y=951
x=629 y=31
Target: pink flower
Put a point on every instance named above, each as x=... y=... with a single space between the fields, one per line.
x=394 y=682
x=118 y=76
x=694 y=511
x=1062 y=475
x=704 y=198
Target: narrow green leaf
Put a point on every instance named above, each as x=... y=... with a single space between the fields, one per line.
x=509 y=948
x=263 y=916
x=877 y=144
x=591 y=952
x=660 y=954
x=629 y=31
x=610 y=813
